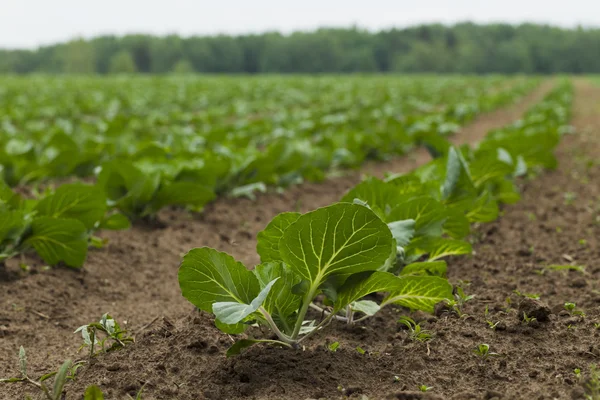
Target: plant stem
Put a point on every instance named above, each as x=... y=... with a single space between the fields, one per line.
x=286 y=326
x=321 y=325
x=327 y=312
x=284 y=338
x=40 y=386
x=349 y=314
x=361 y=318
x=291 y=346
x=306 y=302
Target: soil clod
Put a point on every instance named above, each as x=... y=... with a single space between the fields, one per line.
x=533 y=308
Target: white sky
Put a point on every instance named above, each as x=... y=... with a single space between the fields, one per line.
x=30 y=23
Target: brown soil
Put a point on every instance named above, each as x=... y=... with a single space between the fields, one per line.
x=180 y=355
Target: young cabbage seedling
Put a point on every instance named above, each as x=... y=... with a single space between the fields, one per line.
x=483 y=351
x=338 y=252
x=425 y=388
x=111 y=331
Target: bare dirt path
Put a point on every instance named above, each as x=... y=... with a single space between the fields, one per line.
x=134 y=277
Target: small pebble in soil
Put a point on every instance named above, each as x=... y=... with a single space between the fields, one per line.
x=501 y=326
x=213 y=394
x=492 y=394
x=571 y=321
x=113 y=367
x=579 y=283
x=533 y=374
x=352 y=390
x=578 y=393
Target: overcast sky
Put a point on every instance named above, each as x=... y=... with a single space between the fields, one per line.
x=30 y=23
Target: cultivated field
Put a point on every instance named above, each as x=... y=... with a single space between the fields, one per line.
x=402 y=237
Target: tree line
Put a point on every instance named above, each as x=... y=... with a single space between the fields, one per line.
x=434 y=48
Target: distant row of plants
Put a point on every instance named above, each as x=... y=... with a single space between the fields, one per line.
x=229 y=132
x=384 y=236
x=188 y=169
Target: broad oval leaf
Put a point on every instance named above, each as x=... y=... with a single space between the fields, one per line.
x=485 y=168
x=428 y=213
x=359 y=285
x=93 y=393
x=116 y=222
x=402 y=231
x=77 y=201
x=267 y=245
x=281 y=301
x=59 y=239
x=378 y=195
x=231 y=313
x=433 y=268
x=458 y=186
x=457 y=225
x=12 y=224
x=484 y=209
x=367 y=307
x=437 y=248
x=183 y=194
x=340 y=239
x=207 y=276
x=419 y=292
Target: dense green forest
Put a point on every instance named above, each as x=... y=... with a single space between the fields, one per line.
x=461 y=48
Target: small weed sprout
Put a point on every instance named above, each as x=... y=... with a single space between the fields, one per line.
x=460 y=299
x=111 y=331
x=570 y=306
x=508 y=307
x=415 y=332
x=564 y=268
x=577 y=372
x=66 y=371
x=572 y=309
x=527 y=319
x=333 y=347
x=425 y=388
x=483 y=351
x=534 y=296
x=492 y=325
x=570 y=198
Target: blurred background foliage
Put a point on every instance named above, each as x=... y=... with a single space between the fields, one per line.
x=461 y=48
